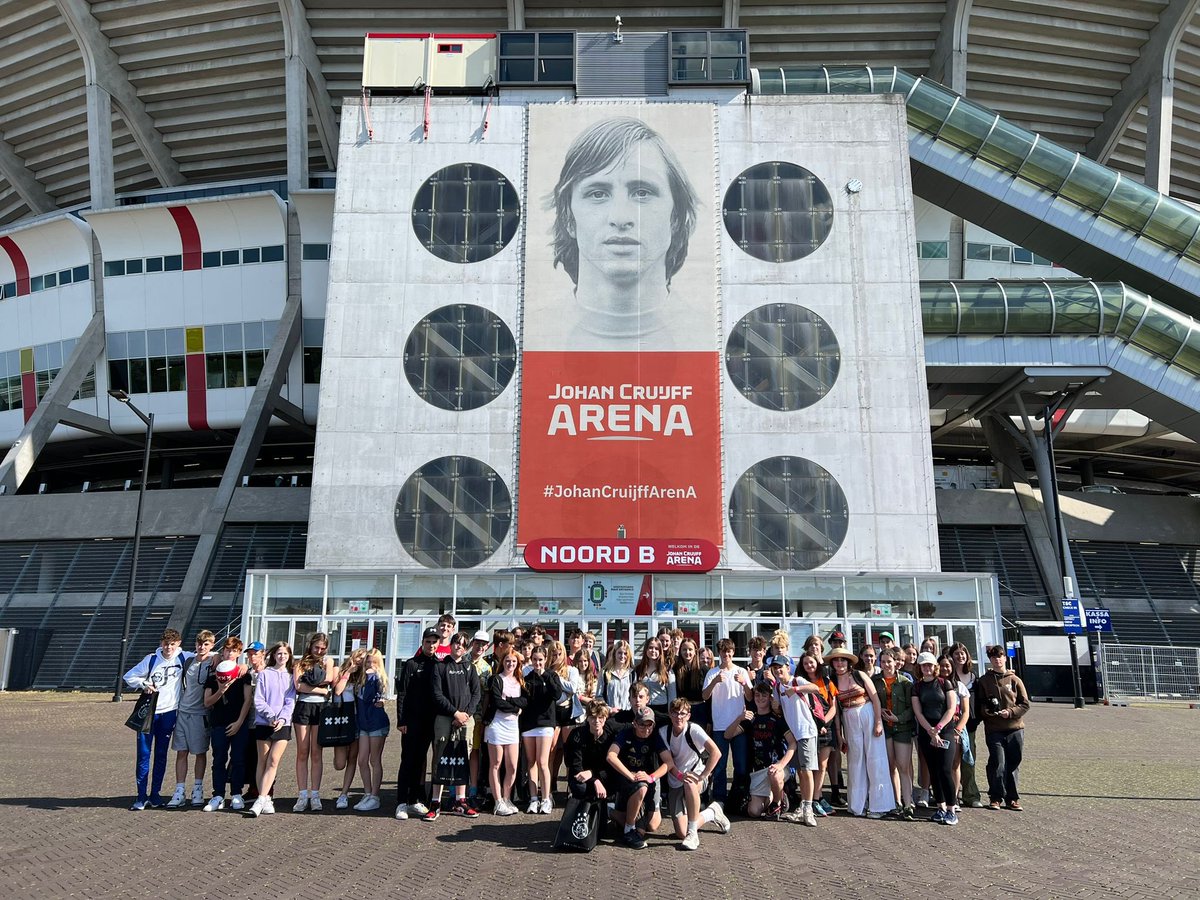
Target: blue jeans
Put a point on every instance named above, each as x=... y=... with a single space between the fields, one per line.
x=741 y=762
x=160 y=738
x=229 y=755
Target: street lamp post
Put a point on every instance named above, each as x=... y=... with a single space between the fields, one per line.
x=122 y=397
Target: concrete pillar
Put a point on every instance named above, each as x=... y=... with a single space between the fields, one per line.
x=100 y=152
x=1087 y=471
x=296 y=96
x=1159 y=129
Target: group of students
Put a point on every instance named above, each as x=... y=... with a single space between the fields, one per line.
x=638 y=736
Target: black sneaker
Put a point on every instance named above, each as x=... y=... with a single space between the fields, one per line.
x=634 y=841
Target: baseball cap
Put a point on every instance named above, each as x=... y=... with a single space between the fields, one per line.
x=645 y=714
x=927 y=657
x=430 y=633
x=256 y=645
x=483 y=636
x=886 y=634
x=780 y=660
x=836 y=636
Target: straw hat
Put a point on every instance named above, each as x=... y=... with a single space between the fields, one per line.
x=841 y=653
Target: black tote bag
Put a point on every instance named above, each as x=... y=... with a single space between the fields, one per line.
x=339 y=723
x=142 y=718
x=579 y=829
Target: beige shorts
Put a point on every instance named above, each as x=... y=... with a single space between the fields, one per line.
x=443 y=730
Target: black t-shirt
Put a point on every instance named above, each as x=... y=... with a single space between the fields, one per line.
x=228 y=707
x=768 y=741
x=931 y=695
x=624 y=718
x=639 y=754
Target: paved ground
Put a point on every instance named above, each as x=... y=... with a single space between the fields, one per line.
x=1112 y=799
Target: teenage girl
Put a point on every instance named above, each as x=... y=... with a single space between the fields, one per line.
x=274 y=700
x=313 y=680
x=537 y=728
x=345 y=759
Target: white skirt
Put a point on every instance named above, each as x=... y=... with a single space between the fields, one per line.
x=502 y=730
x=547 y=731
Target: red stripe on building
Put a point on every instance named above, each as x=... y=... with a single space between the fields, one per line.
x=197 y=392
x=189 y=236
x=20 y=266
x=28 y=394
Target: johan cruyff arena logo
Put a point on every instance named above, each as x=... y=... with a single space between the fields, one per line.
x=620 y=415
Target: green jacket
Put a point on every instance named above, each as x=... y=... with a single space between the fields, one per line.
x=902 y=693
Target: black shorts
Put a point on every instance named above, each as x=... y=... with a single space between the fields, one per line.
x=307 y=713
x=562 y=716
x=267 y=733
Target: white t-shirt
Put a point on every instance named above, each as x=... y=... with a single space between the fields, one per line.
x=728 y=698
x=796 y=711
x=686 y=759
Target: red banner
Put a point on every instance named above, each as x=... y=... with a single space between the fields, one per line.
x=659 y=556
x=612 y=440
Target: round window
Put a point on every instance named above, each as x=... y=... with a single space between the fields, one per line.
x=453 y=513
x=460 y=357
x=788 y=513
x=783 y=357
x=466 y=213
x=778 y=211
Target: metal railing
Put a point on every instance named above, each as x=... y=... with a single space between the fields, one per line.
x=1143 y=672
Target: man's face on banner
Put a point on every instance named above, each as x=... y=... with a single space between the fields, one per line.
x=623 y=217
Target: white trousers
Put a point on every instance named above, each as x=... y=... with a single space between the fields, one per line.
x=866 y=763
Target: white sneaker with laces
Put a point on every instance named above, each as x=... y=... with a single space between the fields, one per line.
x=197 y=795
x=269 y=807
x=369 y=803
x=691 y=841
x=236 y=802
x=547 y=805
x=402 y=811
x=719 y=818
x=214 y=804
x=257 y=807
x=314 y=801
x=534 y=807
x=810 y=818
x=176 y=800
x=301 y=802
x=342 y=802
x=418 y=808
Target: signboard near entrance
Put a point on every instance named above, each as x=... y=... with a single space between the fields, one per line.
x=1098 y=619
x=1072 y=611
x=619 y=555
x=617 y=595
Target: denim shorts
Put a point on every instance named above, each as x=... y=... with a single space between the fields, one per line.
x=379 y=732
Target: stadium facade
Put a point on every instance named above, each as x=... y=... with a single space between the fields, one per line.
x=734 y=317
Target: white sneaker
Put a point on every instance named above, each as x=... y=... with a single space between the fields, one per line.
x=301 y=802
x=810 y=818
x=214 y=804
x=510 y=808
x=176 y=800
x=342 y=802
x=236 y=802
x=314 y=801
x=418 y=808
x=547 y=805
x=691 y=841
x=257 y=807
x=402 y=811
x=360 y=803
x=534 y=807
x=719 y=818
x=197 y=795
x=269 y=807
x=369 y=803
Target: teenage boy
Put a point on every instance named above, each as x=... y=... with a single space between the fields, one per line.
x=639 y=697
x=1003 y=704
x=757 y=667
x=455 y=700
x=788 y=691
x=483 y=668
x=638 y=757
x=446 y=627
x=191 y=730
x=588 y=775
x=229 y=702
x=256 y=661
x=726 y=687
x=414 y=720
x=772 y=747
x=158 y=673
x=689 y=775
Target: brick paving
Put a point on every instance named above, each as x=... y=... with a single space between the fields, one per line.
x=1112 y=798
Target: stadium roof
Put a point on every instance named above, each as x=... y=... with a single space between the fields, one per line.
x=197 y=89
